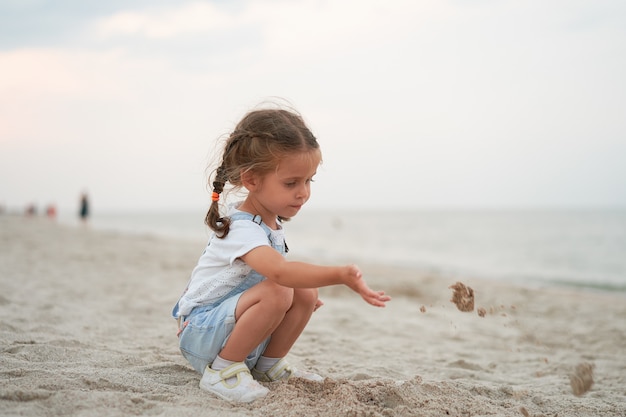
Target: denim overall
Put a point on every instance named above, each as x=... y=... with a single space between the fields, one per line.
x=204 y=332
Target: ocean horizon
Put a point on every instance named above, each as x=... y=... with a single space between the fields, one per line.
x=570 y=248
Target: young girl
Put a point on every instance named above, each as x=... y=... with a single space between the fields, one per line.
x=245 y=304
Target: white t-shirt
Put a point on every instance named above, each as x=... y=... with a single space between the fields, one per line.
x=220 y=268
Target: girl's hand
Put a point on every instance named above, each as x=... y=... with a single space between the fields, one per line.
x=354 y=280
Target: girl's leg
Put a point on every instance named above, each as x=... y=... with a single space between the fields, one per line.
x=294 y=322
x=269 y=309
x=260 y=310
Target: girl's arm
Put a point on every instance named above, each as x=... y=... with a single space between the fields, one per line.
x=272 y=265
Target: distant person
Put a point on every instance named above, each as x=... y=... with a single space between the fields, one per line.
x=245 y=304
x=84 y=208
x=51 y=212
x=31 y=210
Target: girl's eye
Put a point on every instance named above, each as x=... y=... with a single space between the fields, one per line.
x=295 y=183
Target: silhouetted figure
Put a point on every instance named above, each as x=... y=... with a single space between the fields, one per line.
x=84 y=208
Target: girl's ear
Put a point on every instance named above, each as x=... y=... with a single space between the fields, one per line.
x=250 y=180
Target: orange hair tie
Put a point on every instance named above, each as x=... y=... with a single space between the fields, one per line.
x=215 y=196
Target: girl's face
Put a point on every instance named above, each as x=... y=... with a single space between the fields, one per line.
x=283 y=191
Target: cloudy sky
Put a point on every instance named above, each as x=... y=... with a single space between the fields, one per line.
x=427 y=104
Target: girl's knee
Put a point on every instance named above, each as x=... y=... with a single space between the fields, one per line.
x=281 y=297
x=305 y=296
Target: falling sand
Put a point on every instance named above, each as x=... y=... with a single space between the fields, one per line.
x=463 y=297
x=582 y=378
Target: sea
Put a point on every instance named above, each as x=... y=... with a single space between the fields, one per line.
x=571 y=248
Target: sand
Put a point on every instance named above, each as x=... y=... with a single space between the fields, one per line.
x=85 y=331
x=463 y=297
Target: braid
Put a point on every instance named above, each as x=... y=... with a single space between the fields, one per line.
x=220 y=179
x=221 y=225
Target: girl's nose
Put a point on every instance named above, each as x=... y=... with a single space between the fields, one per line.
x=303 y=192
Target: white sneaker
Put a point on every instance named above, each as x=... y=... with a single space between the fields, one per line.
x=243 y=390
x=282 y=370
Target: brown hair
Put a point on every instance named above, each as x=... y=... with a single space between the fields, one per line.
x=257 y=144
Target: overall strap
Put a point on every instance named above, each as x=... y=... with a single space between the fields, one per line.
x=242 y=215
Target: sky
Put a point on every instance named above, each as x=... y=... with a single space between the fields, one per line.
x=443 y=104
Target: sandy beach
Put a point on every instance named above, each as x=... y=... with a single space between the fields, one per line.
x=85 y=330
